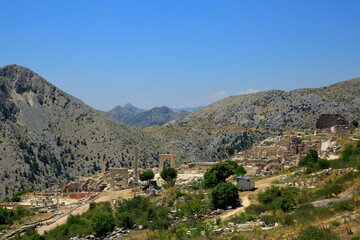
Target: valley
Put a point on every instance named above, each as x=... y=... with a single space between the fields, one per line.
x=67 y=169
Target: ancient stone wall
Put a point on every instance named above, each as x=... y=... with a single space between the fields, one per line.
x=330 y=120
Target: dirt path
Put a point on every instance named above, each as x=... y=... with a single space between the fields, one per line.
x=105 y=196
x=260 y=185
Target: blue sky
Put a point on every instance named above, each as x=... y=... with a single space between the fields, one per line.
x=181 y=53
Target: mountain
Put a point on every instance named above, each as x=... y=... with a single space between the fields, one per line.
x=144 y=118
x=236 y=122
x=188 y=109
x=280 y=110
x=132 y=108
x=48 y=136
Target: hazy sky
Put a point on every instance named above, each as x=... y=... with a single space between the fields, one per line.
x=181 y=53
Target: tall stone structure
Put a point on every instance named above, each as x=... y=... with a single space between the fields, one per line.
x=170 y=156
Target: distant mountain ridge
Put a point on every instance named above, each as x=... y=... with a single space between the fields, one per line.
x=188 y=109
x=134 y=116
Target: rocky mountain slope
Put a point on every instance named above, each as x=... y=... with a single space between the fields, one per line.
x=48 y=136
x=236 y=122
x=278 y=110
x=145 y=118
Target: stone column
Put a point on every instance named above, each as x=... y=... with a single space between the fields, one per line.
x=136 y=164
x=172 y=157
x=112 y=181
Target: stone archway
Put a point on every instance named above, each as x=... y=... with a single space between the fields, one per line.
x=164 y=157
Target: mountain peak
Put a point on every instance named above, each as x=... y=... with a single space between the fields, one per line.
x=132 y=108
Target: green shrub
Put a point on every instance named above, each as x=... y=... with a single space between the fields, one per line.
x=323 y=163
x=269 y=219
x=345 y=205
x=5 y=216
x=256 y=209
x=224 y=195
x=243 y=218
x=102 y=222
x=92 y=205
x=355 y=123
x=73 y=219
x=125 y=220
x=168 y=174
x=310 y=158
x=317 y=233
x=288 y=220
x=329 y=190
x=237 y=238
x=240 y=170
x=147 y=175
x=279 y=198
x=335 y=223
x=16 y=199
x=159 y=218
x=285 y=203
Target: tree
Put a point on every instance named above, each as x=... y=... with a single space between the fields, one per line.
x=102 y=222
x=225 y=194
x=240 y=170
x=355 y=123
x=310 y=158
x=147 y=175
x=168 y=174
x=219 y=173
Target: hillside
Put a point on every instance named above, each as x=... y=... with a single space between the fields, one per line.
x=49 y=136
x=145 y=118
x=280 y=110
x=238 y=121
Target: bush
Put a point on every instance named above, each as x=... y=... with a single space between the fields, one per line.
x=159 y=218
x=309 y=159
x=243 y=218
x=73 y=219
x=323 y=163
x=329 y=190
x=355 y=123
x=168 y=174
x=5 y=216
x=224 y=195
x=125 y=220
x=147 y=175
x=285 y=202
x=288 y=220
x=256 y=209
x=219 y=173
x=269 y=219
x=317 y=233
x=102 y=222
x=240 y=170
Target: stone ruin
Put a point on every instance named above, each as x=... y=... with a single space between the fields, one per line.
x=114 y=178
x=281 y=152
x=164 y=157
x=330 y=120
